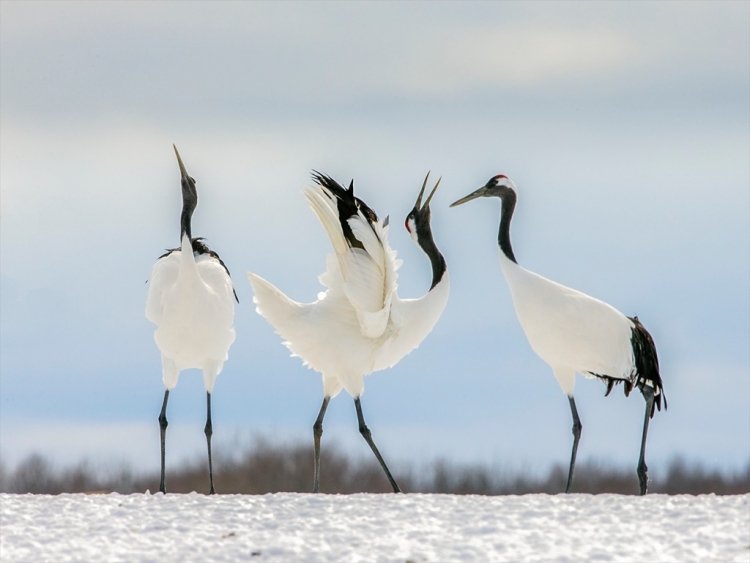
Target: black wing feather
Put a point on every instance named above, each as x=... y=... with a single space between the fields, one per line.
x=646 y=371
x=646 y=363
x=347 y=205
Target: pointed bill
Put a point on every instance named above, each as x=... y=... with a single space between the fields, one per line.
x=179 y=161
x=421 y=192
x=473 y=195
x=432 y=193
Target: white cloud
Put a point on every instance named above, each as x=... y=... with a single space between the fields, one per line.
x=163 y=57
x=503 y=57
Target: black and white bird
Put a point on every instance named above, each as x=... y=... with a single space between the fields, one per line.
x=191 y=302
x=573 y=332
x=359 y=324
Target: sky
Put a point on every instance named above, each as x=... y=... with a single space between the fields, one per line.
x=625 y=126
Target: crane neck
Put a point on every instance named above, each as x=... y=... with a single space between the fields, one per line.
x=428 y=246
x=506 y=215
x=186 y=220
x=187 y=258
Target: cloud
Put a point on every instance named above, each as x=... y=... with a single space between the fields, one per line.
x=165 y=60
x=500 y=58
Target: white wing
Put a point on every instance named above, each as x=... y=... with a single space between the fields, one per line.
x=369 y=274
x=191 y=300
x=284 y=314
x=310 y=330
x=411 y=321
x=163 y=277
x=569 y=329
x=215 y=276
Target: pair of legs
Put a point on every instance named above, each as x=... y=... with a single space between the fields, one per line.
x=648 y=395
x=366 y=434
x=208 y=430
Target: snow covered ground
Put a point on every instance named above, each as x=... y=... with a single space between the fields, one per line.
x=401 y=528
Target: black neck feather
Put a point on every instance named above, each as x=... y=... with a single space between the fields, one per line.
x=427 y=244
x=503 y=238
x=185 y=221
x=189 y=203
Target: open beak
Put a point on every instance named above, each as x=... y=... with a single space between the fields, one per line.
x=473 y=195
x=429 y=197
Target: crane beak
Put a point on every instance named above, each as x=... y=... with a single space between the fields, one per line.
x=183 y=172
x=421 y=192
x=419 y=205
x=188 y=183
x=189 y=193
x=432 y=193
x=473 y=195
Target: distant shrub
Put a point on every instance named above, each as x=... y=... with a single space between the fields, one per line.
x=267 y=468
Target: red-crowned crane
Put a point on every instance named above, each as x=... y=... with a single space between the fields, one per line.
x=191 y=302
x=573 y=332
x=359 y=325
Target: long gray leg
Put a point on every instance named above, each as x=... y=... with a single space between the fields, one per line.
x=577 y=426
x=367 y=435
x=648 y=394
x=163 y=427
x=209 y=431
x=317 y=433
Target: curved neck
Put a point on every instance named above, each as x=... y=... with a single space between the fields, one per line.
x=503 y=237
x=427 y=244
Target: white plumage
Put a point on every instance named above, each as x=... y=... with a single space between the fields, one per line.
x=569 y=330
x=359 y=324
x=576 y=333
x=191 y=301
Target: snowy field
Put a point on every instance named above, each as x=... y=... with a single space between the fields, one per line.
x=401 y=528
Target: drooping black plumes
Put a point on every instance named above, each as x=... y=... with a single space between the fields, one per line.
x=646 y=363
x=645 y=370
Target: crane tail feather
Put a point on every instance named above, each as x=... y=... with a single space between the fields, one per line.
x=646 y=364
x=610 y=385
x=645 y=368
x=282 y=312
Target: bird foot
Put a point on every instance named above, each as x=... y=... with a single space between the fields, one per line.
x=643 y=478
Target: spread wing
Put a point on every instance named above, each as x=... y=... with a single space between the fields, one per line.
x=360 y=242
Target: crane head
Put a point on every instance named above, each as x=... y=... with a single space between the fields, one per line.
x=189 y=192
x=498 y=186
x=189 y=197
x=419 y=216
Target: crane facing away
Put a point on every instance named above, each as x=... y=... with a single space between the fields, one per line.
x=359 y=324
x=191 y=302
x=573 y=332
